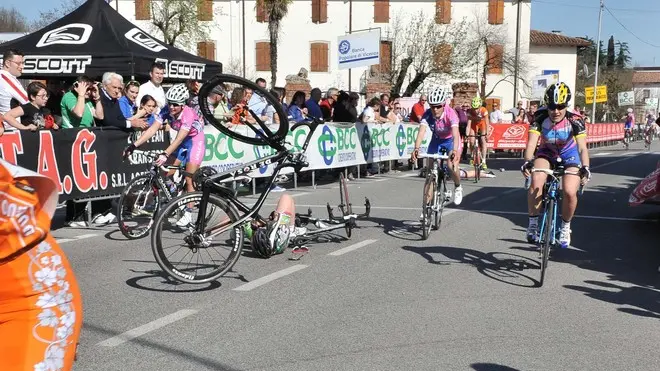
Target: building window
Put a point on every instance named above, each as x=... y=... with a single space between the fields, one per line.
x=495 y=11
x=142 y=10
x=382 y=11
x=204 y=10
x=442 y=57
x=443 y=11
x=261 y=11
x=319 y=11
x=647 y=93
x=318 y=57
x=263 y=56
x=494 y=61
x=206 y=49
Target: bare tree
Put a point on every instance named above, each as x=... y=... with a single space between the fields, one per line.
x=182 y=22
x=11 y=20
x=47 y=17
x=423 y=49
x=491 y=57
x=234 y=66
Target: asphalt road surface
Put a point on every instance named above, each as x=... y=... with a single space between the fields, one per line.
x=466 y=299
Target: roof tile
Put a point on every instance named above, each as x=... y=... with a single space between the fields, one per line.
x=551 y=39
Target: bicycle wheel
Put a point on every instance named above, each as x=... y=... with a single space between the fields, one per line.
x=440 y=203
x=345 y=206
x=138 y=205
x=241 y=123
x=193 y=246
x=427 y=207
x=548 y=236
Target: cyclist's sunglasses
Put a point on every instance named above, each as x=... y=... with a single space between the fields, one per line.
x=553 y=107
x=437 y=106
x=172 y=104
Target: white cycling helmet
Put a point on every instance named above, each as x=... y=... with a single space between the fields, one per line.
x=630 y=110
x=440 y=94
x=177 y=94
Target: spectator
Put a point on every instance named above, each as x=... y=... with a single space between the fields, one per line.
x=282 y=92
x=193 y=101
x=218 y=100
x=496 y=116
x=297 y=110
x=112 y=84
x=153 y=87
x=533 y=106
x=11 y=91
x=384 y=109
x=127 y=102
x=81 y=105
x=256 y=102
x=395 y=113
x=418 y=109
x=345 y=107
x=328 y=103
x=518 y=113
x=147 y=110
x=34 y=114
x=312 y=104
x=369 y=113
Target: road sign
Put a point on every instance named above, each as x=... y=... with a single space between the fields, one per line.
x=626 y=98
x=601 y=94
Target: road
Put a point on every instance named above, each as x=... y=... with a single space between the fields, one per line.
x=466 y=299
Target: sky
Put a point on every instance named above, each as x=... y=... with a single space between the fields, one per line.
x=571 y=17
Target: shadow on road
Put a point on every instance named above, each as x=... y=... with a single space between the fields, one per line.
x=500 y=266
x=491 y=367
x=157 y=280
x=209 y=363
x=408 y=230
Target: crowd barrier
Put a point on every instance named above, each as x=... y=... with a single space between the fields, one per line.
x=86 y=163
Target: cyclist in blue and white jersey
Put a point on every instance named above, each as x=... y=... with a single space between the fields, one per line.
x=443 y=123
x=562 y=135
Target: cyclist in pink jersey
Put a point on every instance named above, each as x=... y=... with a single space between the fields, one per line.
x=442 y=120
x=188 y=146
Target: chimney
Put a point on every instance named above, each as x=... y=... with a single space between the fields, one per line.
x=556 y=32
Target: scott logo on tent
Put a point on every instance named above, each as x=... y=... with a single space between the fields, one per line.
x=144 y=40
x=71 y=34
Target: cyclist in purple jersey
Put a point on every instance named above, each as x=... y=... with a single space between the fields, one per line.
x=562 y=137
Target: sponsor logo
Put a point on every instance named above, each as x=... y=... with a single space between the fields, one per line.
x=75 y=64
x=490 y=130
x=401 y=140
x=71 y=34
x=326 y=145
x=366 y=142
x=182 y=70
x=144 y=40
x=514 y=132
x=344 y=47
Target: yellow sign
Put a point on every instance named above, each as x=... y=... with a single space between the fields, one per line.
x=601 y=94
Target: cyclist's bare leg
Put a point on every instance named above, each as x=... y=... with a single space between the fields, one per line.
x=484 y=148
x=454 y=170
x=570 y=186
x=286 y=205
x=535 y=193
x=190 y=168
x=471 y=139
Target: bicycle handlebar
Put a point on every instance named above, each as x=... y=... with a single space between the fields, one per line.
x=555 y=174
x=434 y=156
x=161 y=167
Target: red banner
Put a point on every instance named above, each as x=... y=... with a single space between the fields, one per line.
x=514 y=136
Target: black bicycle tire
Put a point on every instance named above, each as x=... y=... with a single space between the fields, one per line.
x=120 y=219
x=347 y=209
x=216 y=80
x=440 y=197
x=156 y=245
x=547 y=238
x=426 y=219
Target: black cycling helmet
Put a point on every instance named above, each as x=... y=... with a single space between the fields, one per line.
x=261 y=244
x=557 y=94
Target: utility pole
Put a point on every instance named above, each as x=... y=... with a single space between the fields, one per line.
x=350 y=30
x=600 y=20
x=515 y=71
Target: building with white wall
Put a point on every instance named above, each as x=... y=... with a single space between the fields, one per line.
x=310 y=31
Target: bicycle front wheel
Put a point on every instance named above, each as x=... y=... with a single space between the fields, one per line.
x=440 y=204
x=548 y=237
x=189 y=256
x=138 y=205
x=428 y=204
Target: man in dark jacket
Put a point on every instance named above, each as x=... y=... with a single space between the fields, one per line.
x=112 y=86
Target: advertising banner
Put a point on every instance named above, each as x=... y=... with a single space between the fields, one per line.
x=359 y=49
x=82 y=162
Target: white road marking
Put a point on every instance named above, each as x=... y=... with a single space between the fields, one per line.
x=352 y=247
x=271 y=277
x=144 y=329
x=603 y=153
x=613 y=162
x=485 y=199
x=408 y=175
x=299 y=194
x=81 y=237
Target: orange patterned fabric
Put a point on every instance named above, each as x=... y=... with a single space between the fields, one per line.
x=40 y=303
